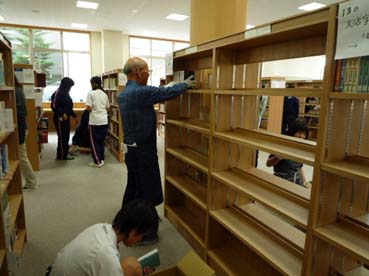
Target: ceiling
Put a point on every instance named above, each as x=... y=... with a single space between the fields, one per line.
x=149 y=20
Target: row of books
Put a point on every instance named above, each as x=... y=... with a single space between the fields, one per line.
x=4 y=167
x=352 y=75
x=6 y=119
x=10 y=237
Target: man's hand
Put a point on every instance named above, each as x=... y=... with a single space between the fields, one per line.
x=148 y=270
x=190 y=83
x=65 y=117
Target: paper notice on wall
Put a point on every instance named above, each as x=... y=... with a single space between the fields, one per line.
x=169 y=64
x=353 y=29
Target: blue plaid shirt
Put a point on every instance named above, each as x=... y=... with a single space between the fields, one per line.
x=137 y=111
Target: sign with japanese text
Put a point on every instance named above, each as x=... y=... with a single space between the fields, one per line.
x=353 y=29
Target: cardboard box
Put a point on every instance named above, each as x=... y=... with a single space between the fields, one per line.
x=189 y=265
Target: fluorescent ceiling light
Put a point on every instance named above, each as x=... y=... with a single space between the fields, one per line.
x=79 y=26
x=1 y=18
x=312 y=6
x=87 y=5
x=249 y=26
x=177 y=17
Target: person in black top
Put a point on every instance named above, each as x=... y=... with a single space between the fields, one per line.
x=62 y=106
x=26 y=168
x=291 y=108
x=289 y=169
x=81 y=137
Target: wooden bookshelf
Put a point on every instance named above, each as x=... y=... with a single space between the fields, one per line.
x=256 y=222
x=113 y=84
x=11 y=183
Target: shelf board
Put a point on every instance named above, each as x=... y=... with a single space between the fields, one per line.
x=196 y=125
x=199 y=91
x=2 y=256
x=349 y=96
x=113 y=120
x=192 y=189
x=6 y=88
x=5 y=181
x=281 y=228
x=191 y=157
x=161 y=122
x=364 y=219
x=298 y=92
x=250 y=234
x=19 y=243
x=14 y=205
x=185 y=220
x=225 y=260
x=309 y=115
x=348 y=169
x=279 y=203
x=4 y=136
x=279 y=145
x=113 y=135
x=344 y=236
x=114 y=105
x=359 y=271
x=110 y=89
x=283 y=184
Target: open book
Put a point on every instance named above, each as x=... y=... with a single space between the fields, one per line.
x=150 y=259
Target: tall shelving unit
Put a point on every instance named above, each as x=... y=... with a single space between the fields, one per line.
x=113 y=83
x=11 y=184
x=240 y=219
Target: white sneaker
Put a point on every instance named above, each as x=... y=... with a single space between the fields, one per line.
x=102 y=162
x=94 y=165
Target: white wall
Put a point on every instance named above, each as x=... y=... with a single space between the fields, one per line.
x=125 y=48
x=109 y=51
x=96 y=54
x=296 y=69
x=112 y=55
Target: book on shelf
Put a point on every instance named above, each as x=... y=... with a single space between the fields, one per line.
x=4 y=160
x=2 y=71
x=352 y=75
x=151 y=259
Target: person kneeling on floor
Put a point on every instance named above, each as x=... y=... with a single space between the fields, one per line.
x=94 y=252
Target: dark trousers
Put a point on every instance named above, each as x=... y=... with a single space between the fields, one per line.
x=143 y=180
x=97 y=137
x=62 y=129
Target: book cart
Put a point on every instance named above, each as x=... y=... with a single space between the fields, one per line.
x=240 y=219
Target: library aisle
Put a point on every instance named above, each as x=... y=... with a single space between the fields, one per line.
x=72 y=196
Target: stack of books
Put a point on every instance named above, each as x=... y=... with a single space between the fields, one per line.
x=352 y=75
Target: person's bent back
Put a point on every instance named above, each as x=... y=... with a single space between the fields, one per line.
x=94 y=252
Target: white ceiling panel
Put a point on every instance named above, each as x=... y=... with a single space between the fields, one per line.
x=148 y=20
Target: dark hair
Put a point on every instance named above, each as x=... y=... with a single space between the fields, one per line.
x=139 y=215
x=299 y=125
x=66 y=84
x=97 y=80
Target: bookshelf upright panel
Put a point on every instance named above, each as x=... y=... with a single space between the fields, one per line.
x=12 y=221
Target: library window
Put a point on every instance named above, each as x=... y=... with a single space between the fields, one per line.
x=58 y=54
x=153 y=51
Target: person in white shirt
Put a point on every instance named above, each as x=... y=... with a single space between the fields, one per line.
x=94 y=252
x=97 y=103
